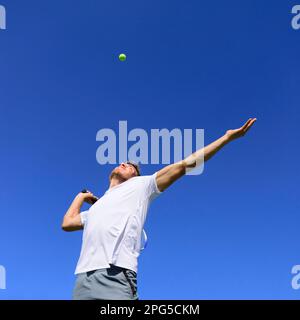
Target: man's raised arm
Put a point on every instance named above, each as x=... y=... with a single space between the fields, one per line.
x=169 y=174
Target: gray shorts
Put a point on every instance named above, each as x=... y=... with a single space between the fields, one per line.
x=114 y=283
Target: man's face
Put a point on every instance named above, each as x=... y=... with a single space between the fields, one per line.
x=124 y=171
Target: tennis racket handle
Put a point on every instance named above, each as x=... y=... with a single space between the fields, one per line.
x=91 y=200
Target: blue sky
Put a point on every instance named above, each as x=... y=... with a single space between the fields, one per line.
x=230 y=233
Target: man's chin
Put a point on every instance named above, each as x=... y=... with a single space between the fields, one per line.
x=117 y=175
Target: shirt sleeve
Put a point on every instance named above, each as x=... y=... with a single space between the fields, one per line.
x=152 y=188
x=83 y=217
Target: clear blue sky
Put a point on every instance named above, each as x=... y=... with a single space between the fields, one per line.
x=230 y=233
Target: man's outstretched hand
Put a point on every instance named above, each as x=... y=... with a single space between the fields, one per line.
x=240 y=132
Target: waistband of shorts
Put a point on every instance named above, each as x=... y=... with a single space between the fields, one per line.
x=112 y=266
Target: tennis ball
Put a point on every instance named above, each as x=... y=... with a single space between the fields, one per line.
x=122 y=57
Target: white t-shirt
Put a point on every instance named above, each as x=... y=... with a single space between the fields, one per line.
x=113 y=226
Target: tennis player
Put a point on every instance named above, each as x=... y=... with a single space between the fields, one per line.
x=113 y=225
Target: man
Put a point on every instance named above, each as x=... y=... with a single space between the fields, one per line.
x=113 y=226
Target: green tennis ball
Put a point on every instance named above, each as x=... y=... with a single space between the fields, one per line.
x=122 y=57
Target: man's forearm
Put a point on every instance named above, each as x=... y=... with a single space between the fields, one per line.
x=72 y=220
x=75 y=207
x=214 y=147
x=167 y=175
x=205 y=153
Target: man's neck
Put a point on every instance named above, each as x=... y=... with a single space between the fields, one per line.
x=115 y=181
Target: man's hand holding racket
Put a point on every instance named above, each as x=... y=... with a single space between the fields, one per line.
x=88 y=197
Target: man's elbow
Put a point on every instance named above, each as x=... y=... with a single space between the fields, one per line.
x=69 y=226
x=66 y=226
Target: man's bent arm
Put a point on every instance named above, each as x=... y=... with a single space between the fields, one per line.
x=169 y=174
x=72 y=219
